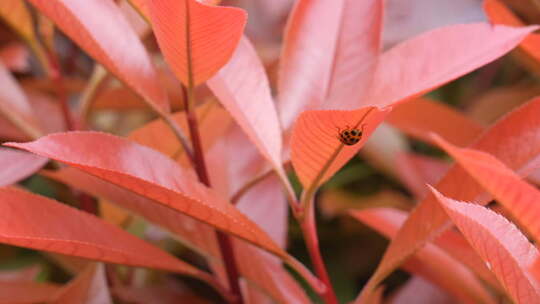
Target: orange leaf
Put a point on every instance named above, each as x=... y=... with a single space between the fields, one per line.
x=420 y=116
x=328 y=65
x=316 y=151
x=156 y=177
x=32 y=221
x=196 y=39
x=516 y=195
x=26 y=292
x=505 y=250
x=242 y=87
x=414 y=66
x=512 y=140
x=15 y=57
x=89 y=287
x=17 y=165
x=430 y=262
x=100 y=28
x=498 y=13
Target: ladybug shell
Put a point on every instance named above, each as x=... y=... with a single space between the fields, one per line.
x=350 y=137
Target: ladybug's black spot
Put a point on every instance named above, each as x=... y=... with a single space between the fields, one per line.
x=346 y=133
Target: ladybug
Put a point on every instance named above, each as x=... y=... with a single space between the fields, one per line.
x=350 y=136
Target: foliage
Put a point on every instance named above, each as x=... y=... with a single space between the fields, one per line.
x=172 y=137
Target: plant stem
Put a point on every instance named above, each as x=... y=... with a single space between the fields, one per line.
x=224 y=241
x=309 y=230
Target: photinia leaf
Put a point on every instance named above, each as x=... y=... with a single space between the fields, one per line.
x=196 y=39
x=89 y=287
x=15 y=107
x=430 y=262
x=213 y=122
x=156 y=177
x=498 y=13
x=17 y=165
x=150 y=174
x=420 y=116
x=316 y=151
x=242 y=87
x=501 y=245
x=414 y=66
x=328 y=65
x=101 y=30
x=26 y=292
x=513 y=140
x=32 y=221
x=516 y=195
x=453 y=242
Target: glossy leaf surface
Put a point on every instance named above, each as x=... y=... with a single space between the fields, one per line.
x=196 y=39
x=101 y=30
x=501 y=245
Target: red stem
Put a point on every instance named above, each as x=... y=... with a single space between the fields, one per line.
x=309 y=229
x=224 y=241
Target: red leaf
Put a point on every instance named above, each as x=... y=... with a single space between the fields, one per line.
x=33 y=221
x=17 y=165
x=89 y=287
x=150 y=174
x=430 y=262
x=101 y=30
x=414 y=66
x=421 y=116
x=243 y=89
x=501 y=245
x=516 y=195
x=26 y=292
x=317 y=153
x=328 y=64
x=196 y=39
x=506 y=140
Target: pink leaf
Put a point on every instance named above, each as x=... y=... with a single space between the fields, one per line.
x=430 y=262
x=328 y=64
x=242 y=87
x=17 y=165
x=514 y=140
x=516 y=195
x=505 y=250
x=414 y=66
